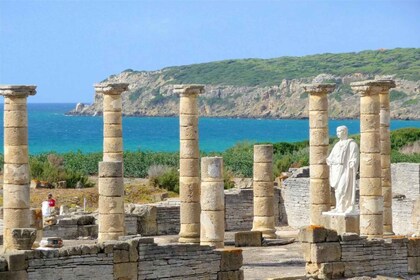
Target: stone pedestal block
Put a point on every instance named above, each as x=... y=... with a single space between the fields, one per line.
x=341 y=222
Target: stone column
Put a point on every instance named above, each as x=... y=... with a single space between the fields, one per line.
x=212 y=202
x=112 y=113
x=263 y=185
x=189 y=166
x=385 y=137
x=111 y=201
x=320 y=193
x=16 y=177
x=371 y=199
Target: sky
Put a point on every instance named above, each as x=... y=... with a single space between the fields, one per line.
x=64 y=46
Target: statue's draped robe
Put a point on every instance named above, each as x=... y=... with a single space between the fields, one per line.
x=342 y=176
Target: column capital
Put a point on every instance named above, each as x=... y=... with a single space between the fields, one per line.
x=372 y=87
x=319 y=88
x=17 y=90
x=111 y=88
x=189 y=90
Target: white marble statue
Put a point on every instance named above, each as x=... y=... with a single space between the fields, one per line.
x=344 y=162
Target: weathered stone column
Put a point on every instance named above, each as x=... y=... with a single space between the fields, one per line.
x=320 y=193
x=189 y=166
x=371 y=199
x=212 y=202
x=263 y=185
x=16 y=177
x=112 y=113
x=111 y=201
x=385 y=136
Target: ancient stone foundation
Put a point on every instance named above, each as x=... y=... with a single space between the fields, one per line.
x=16 y=177
x=332 y=256
x=189 y=166
x=320 y=194
x=212 y=202
x=264 y=191
x=111 y=201
x=112 y=113
x=137 y=258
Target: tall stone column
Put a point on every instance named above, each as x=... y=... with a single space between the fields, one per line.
x=111 y=223
x=189 y=166
x=112 y=113
x=212 y=202
x=16 y=177
x=385 y=137
x=320 y=193
x=263 y=185
x=371 y=199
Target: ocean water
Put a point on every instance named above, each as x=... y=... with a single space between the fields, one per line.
x=51 y=130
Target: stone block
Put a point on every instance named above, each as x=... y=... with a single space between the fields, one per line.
x=16 y=118
x=385 y=147
x=112 y=118
x=371 y=225
x=111 y=205
x=318 y=154
x=212 y=226
x=369 y=104
x=16 y=218
x=325 y=252
x=413 y=247
x=190 y=230
x=264 y=224
x=320 y=192
x=118 y=156
x=110 y=223
x=188 y=120
x=369 y=123
x=16 y=174
x=124 y=271
x=15 y=136
x=112 y=130
x=342 y=223
x=111 y=187
x=189 y=167
x=212 y=196
x=190 y=213
x=17 y=261
x=189 y=149
x=248 y=239
x=414 y=265
x=121 y=256
x=318 y=119
x=16 y=196
x=16 y=154
x=107 y=236
x=14 y=275
x=263 y=153
x=370 y=186
x=315 y=214
x=189 y=189
x=110 y=169
x=264 y=206
x=231 y=259
x=112 y=103
x=212 y=169
x=385 y=161
x=263 y=189
x=318 y=137
x=370 y=142
x=230 y=275
x=306 y=250
x=263 y=171
x=312 y=234
x=370 y=165
x=371 y=205
x=188 y=105
x=113 y=144
x=189 y=133
x=318 y=102
x=319 y=171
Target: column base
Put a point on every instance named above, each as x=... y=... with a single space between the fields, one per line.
x=342 y=222
x=189 y=240
x=266 y=233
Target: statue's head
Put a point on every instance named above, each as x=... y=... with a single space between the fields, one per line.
x=342 y=132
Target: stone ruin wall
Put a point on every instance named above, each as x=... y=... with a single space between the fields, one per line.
x=137 y=258
x=405 y=187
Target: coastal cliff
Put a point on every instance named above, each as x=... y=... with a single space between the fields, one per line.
x=267 y=92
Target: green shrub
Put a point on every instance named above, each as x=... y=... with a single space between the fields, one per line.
x=162 y=176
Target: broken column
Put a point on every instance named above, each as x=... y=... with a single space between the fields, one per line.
x=189 y=170
x=111 y=201
x=320 y=193
x=212 y=202
x=16 y=177
x=112 y=113
x=263 y=185
x=371 y=199
x=385 y=137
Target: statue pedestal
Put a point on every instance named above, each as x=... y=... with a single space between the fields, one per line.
x=342 y=222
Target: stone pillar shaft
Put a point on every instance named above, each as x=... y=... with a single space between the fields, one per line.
x=320 y=193
x=16 y=177
x=263 y=185
x=112 y=114
x=111 y=201
x=212 y=202
x=371 y=199
x=385 y=137
x=189 y=166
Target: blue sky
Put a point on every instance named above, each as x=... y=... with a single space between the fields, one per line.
x=64 y=47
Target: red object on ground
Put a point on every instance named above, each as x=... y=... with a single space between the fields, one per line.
x=51 y=202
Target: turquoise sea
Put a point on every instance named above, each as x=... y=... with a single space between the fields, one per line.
x=51 y=130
